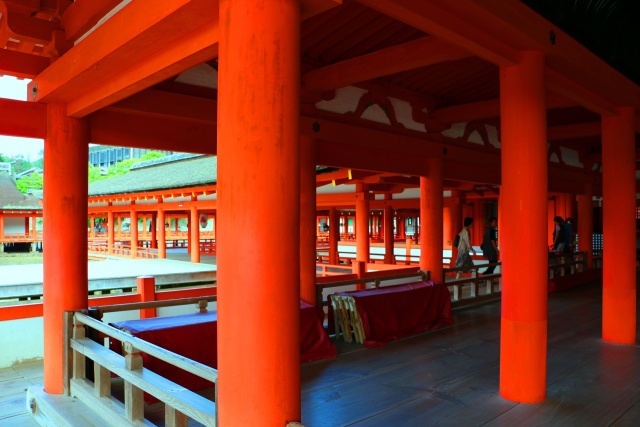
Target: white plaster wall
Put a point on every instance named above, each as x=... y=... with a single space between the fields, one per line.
x=21 y=340
x=13 y=224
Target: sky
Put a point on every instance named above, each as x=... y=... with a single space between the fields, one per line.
x=13 y=88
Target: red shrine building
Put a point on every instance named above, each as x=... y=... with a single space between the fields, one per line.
x=427 y=106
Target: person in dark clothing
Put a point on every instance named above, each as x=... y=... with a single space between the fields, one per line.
x=560 y=235
x=490 y=244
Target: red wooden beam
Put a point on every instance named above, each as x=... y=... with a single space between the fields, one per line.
x=82 y=15
x=487 y=109
x=440 y=22
x=25 y=119
x=132 y=130
x=407 y=56
x=168 y=105
x=22 y=65
x=108 y=66
x=579 y=130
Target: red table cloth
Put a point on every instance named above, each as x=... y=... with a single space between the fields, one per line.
x=398 y=311
x=195 y=336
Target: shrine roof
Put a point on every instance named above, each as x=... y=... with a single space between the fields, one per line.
x=176 y=171
x=11 y=198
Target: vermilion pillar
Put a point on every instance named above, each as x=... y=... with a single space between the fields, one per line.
x=362 y=224
x=456 y=223
x=92 y=227
x=65 y=284
x=154 y=228
x=431 y=206
x=133 y=233
x=619 y=228
x=479 y=221
x=162 y=235
x=258 y=207
x=194 y=235
x=308 y=225
x=585 y=223
x=388 y=234
x=334 y=235
x=110 y=231
x=523 y=195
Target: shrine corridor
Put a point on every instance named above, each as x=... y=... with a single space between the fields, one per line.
x=448 y=377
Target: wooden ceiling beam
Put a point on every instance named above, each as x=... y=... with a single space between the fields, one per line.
x=132 y=130
x=107 y=65
x=23 y=119
x=407 y=56
x=579 y=130
x=83 y=15
x=22 y=65
x=488 y=109
x=450 y=27
x=569 y=88
x=168 y=105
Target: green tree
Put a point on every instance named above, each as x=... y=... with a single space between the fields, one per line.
x=21 y=165
x=32 y=182
x=95 y=174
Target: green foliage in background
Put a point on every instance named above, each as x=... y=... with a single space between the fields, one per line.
x=122 y=167
x=32 y=182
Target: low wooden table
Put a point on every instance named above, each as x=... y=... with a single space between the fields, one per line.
x=376 y=316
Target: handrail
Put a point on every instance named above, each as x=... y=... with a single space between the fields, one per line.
x=374 y=277
x=151 y=304
x=168 y=356
x=180 y=403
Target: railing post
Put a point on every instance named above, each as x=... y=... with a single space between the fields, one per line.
x=147 y=289
x=174 y=418
x=319 y=296
x=79 y=367
x=133 y=396
x=359 y=268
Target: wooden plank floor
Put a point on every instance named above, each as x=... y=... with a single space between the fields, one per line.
x=449 y=377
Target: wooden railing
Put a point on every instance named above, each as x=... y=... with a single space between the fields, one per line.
x=121 y=250
x=569 y=263
x=374 y=277
x=473 y=288
x=21 y=237
x=180 y=403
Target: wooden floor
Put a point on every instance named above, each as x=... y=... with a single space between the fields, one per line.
x=450 y=377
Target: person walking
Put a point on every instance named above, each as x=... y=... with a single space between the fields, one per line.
x=464 y=246
x=490 y=244
x=560 y=235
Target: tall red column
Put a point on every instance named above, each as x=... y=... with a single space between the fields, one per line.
x=110 y=230
x=259 y=206
x=431 y=206
x=362 y=224
x=456 y=222
x=162 y=235
x=334 y=235
x=479 y=221
x=133 y=232
x=307 y=220
x=523 y=340
x=585 y=223
x=194 y=235
x=65 y=284
x=154 y=228
x=388 y=234
x=619 y=228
